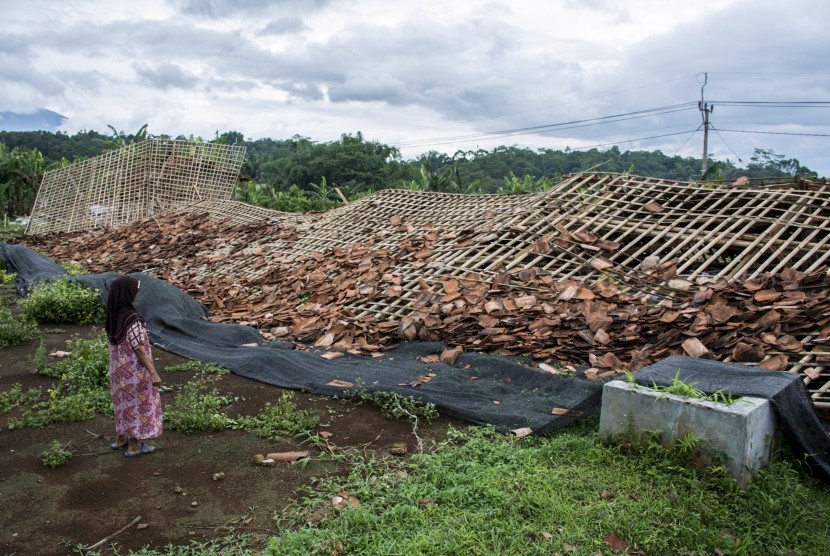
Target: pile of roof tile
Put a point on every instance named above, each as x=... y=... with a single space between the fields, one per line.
x=766 y=320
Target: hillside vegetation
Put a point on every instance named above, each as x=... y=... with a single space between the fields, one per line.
x=299 y=174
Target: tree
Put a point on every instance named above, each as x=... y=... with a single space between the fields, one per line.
x=766 y=163
x=20 y=173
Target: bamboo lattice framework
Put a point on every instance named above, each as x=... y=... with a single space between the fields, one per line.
x=589 y=227
x=138 y=181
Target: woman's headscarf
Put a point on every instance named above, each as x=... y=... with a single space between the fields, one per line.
x=120 y=311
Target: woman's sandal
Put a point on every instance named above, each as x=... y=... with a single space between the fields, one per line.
x=145 y=449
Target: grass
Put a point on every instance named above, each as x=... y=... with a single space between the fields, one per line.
x=688 y=390
x=487 y=493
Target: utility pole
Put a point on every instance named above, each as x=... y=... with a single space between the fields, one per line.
x=705 y=110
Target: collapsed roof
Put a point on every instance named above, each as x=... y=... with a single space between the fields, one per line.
x=138 y=181
x=609 y=270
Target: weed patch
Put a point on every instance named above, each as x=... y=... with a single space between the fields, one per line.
x=55 y=455
x=197 y=366
x=15 y=397
x=82 y=391
x=395 y=406
x=688 y=390
x=280 y=419
x=200 y=407
x=74 y=269
x=16 y=330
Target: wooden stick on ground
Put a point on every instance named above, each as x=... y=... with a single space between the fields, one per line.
x=105 y=539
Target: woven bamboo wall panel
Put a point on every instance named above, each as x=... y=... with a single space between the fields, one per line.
x=135 y=182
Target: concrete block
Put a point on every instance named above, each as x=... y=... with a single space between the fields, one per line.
x=743 y=434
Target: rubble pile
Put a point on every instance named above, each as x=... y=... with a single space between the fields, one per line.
x=768 y=320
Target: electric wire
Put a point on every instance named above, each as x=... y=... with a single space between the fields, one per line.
x=792 y=133
x=726 y=143
x=548 y=128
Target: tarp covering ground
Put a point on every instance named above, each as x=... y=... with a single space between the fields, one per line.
x=479 y=388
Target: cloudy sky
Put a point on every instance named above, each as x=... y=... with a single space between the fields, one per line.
x=433 y=74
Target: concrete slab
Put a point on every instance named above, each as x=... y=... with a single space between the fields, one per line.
x=743 y=435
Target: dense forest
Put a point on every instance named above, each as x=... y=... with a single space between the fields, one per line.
x=300 y=174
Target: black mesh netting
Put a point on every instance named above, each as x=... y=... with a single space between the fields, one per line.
x=479 y=388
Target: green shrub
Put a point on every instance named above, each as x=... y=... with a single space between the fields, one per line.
x=85 y=368
x=63 y=301
x=197 y=366
x=15 y=396
x=7 y=281
x=74 y=269
x=16 y=331
x=55 y=455
x=395 y=406
x=198 y=408
x=280 y=419
x=82 y=392
x=10 y=231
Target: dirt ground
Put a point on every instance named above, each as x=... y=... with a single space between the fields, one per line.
x=173 y=491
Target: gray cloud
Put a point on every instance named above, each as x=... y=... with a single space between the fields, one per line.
x=217 y=9
x=481 y=68
x=283 y=26
x=166 y=75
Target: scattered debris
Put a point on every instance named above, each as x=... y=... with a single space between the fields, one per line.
x=613 y=296
x=398 y=449
x=287 y=456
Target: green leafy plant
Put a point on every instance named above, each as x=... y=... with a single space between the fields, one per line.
x=16 y=331
x=7 y=280
x=63 y=301
x=688 y=390
x=15 y=396
x=10 y=231
x=395 y=406
x=82 y=391
x=74 y=268
x=199 y=407
x=55 y=455
x=197 y=366
x=39 y=360
x=279 y=419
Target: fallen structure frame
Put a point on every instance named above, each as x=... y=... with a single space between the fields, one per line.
x=138 y=181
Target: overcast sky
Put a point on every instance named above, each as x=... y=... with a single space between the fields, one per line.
x=431 y=75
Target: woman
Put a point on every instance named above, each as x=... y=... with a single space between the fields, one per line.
x=134 y=381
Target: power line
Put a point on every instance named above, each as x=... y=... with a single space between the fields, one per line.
x=774 y=103
x=727 y=144
x=547 y=128
x=633 y=140
x=778 y=133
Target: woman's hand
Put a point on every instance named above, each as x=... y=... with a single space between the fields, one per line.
x=145 y=360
